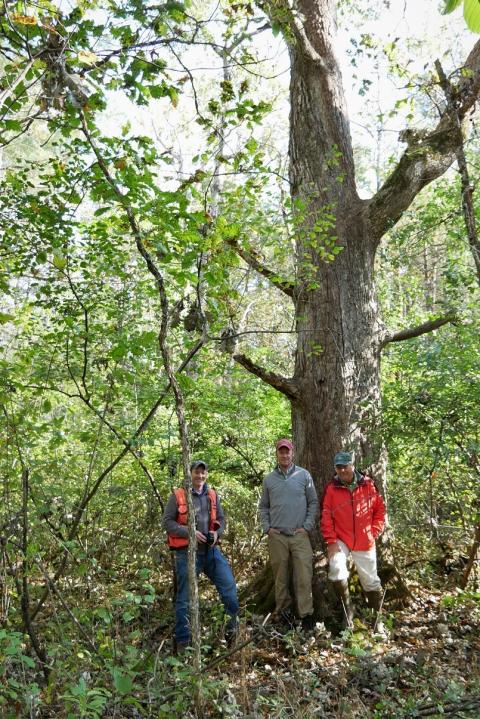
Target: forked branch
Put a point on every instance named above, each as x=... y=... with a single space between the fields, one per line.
x=427 y=156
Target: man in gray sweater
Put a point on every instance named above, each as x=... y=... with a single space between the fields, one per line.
x=288 y=508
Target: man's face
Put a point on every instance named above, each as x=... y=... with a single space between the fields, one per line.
x=199 y=477
x=345 y=472
x=284 y=457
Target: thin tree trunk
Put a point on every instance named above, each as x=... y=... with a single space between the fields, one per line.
x=466 y=184
x=179 y=409
x=472 y=557
x=25 y=592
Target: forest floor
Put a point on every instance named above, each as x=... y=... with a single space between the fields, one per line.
x=429 y=666
x=122 y=665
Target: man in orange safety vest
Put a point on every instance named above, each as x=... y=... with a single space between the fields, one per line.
x=209 y=527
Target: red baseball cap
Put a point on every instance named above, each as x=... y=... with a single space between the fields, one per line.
x=284 y=443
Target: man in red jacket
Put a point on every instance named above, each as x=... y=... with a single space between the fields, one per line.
x=352 y=517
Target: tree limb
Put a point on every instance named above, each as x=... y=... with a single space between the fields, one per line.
x=422 y=329
x=426 y=157
x=249 y=256
x=150 y=43
x=284 y=385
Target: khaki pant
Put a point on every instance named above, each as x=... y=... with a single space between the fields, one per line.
x=365 y=563
x=281 y=547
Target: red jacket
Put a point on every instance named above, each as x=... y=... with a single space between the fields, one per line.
x=357 y=518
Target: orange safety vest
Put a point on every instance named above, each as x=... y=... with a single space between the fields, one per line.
x=182 y=511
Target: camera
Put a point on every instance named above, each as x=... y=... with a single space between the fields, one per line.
x=210 y=539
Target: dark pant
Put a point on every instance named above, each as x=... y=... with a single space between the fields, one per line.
x=217 y=569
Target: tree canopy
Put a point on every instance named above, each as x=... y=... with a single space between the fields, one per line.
x=197 y=259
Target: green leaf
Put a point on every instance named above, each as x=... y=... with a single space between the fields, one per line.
x=471 y=13
x=251 y=145
x=13 y=125
x=276 y=29
x=4 y=318
x=173 y=92
x=104 y=614
x=450 y=6
x=59 y=260
x=158 y=91
x=123 y=682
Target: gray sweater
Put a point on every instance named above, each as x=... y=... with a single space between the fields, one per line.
x=289 y=501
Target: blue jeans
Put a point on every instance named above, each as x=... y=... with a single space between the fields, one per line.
x=217 y=569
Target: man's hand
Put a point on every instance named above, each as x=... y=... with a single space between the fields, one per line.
x=300 y=530
x=273 y=531
x=202 y=538
x=332 y=549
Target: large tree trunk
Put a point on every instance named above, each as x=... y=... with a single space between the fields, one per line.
x=335 y=390
x=338 y=347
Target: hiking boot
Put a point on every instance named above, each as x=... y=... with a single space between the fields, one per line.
x=230 y=636
x=375 y=601
x=343 y=593
x=230 y=633
x=308 y=623
x=181 y=647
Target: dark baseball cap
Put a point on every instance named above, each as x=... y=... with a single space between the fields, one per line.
x=343 y=458
x=198 y=463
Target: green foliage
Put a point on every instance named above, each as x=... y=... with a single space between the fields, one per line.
x=80 y=701
x=465 y=598
x=16 y=695
x=431 y=422
x=80 y=367
x=471 y=12
x=450 y=5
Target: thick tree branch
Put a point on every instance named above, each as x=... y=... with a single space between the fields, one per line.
x=427 y=157
x=284 y=385
x=422 y=329
x=252 y=260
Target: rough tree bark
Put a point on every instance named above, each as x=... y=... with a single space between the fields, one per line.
x=335 y=388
